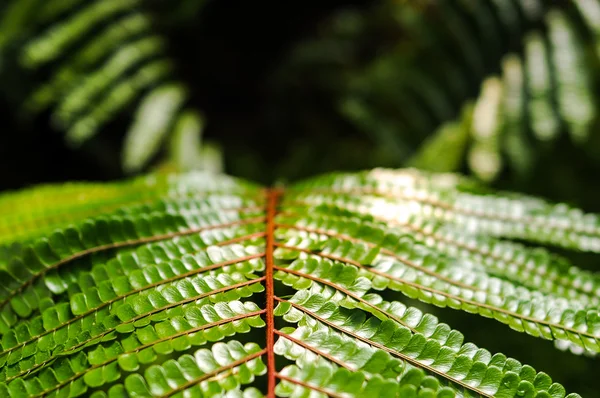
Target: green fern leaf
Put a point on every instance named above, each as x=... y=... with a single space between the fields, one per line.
x=120 y=64
x=204 y=285
x=494 y=83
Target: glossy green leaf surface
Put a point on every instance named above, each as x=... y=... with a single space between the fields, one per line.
x=205 y=285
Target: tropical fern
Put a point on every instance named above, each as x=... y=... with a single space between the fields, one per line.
x=548 y=89
x=406 y=75
x=205 y=285
x=395 y=71
x=93 y=61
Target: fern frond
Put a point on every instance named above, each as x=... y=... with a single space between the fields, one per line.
x=490 y=84
x=33 y=212
x=95 y=60
x=553 y=78
x=200 y=285
x=339 y=332
x=399 y=196
x=534 y=268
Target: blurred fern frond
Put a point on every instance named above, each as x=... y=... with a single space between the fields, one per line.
x=488 y=84
x=546 y=90
x=90 y=63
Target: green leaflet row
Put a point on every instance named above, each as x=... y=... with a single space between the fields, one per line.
x=159 y=287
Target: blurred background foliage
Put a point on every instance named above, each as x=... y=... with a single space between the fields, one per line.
x=504 y=90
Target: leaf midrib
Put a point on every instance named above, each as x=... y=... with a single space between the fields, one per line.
x=273 y=199
x=273 y=196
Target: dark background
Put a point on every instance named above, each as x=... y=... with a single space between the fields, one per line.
x=272 y=119
x=227 y=57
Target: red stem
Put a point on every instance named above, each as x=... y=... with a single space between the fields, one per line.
x=272 y=199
